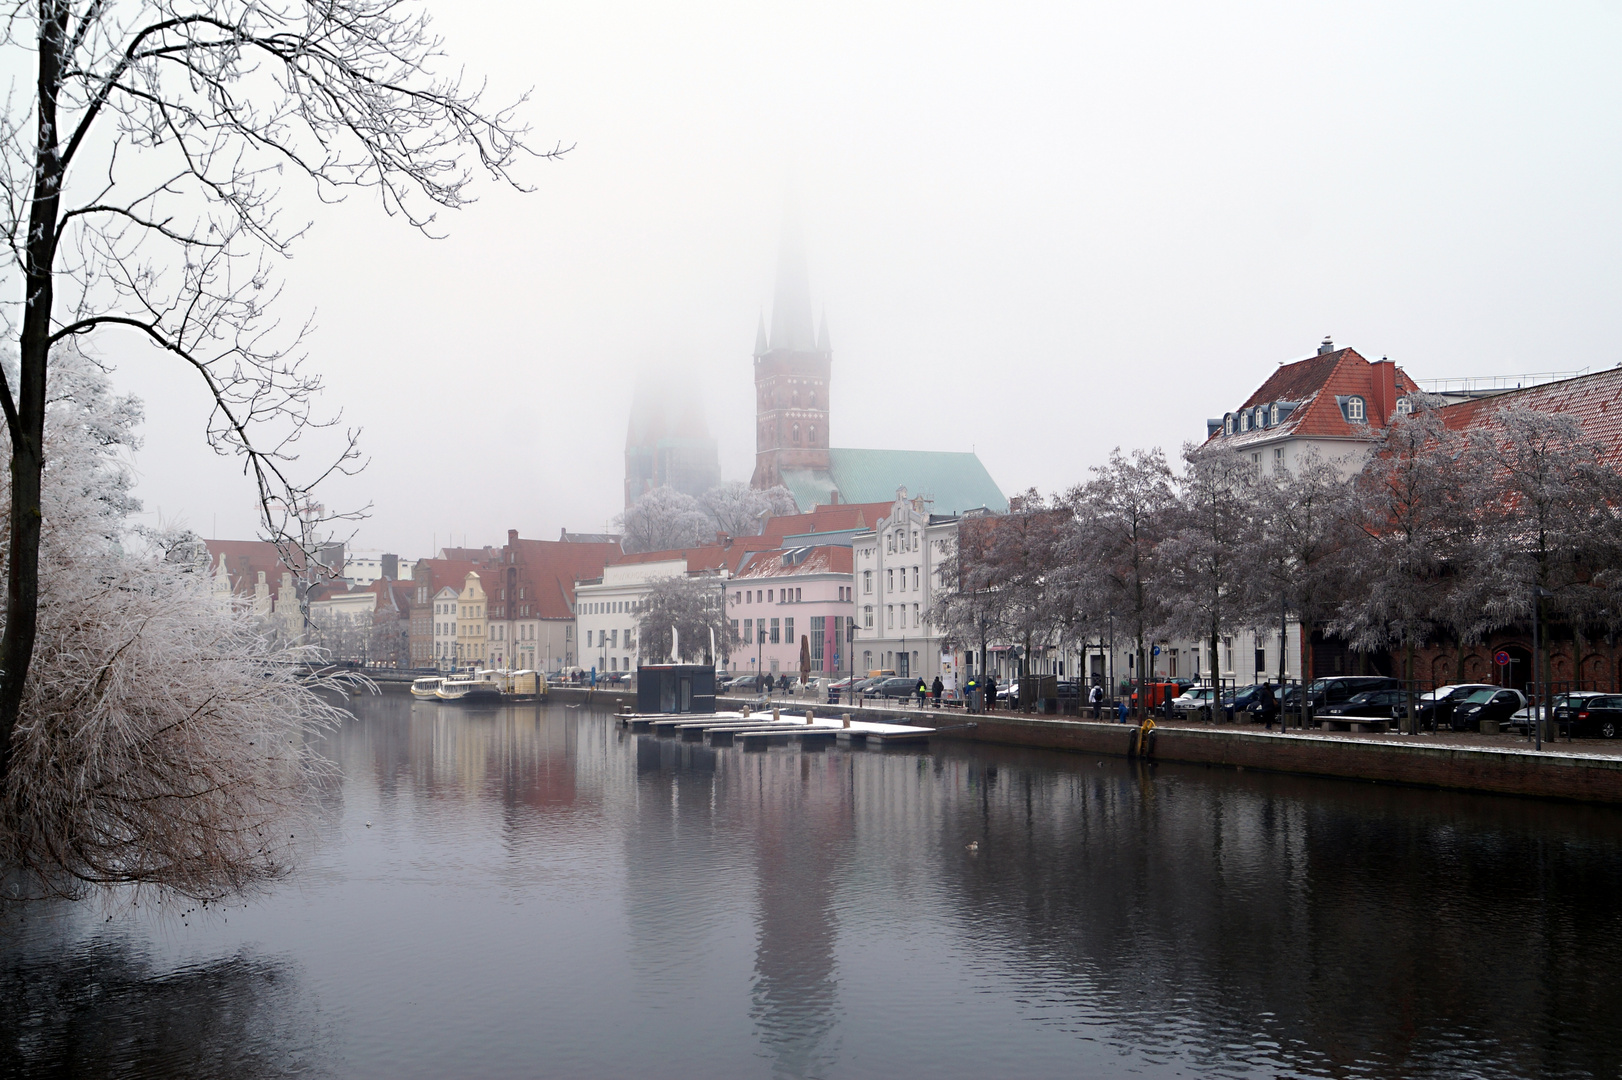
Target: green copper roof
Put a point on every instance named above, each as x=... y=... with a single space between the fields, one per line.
x=952 y=482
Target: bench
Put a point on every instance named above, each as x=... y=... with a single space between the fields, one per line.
x=1354 y=723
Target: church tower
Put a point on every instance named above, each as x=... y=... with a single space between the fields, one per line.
x=792 y=367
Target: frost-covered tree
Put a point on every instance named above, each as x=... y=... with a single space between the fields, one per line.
x=694 y=606
x=139 y=166
x=737 y=509
x=1122 y=515
x=1206 y=552
x=664 y=519
x=163 y=743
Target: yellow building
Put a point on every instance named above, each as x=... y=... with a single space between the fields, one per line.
x=472 y=625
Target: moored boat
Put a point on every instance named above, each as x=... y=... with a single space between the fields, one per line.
x=426 y=687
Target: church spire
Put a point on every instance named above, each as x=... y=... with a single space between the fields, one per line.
x=822 y=334
x=760 y=337
x=791 y=307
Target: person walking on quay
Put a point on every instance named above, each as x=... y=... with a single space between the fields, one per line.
x=935 y=689
x=971 y=694
x=922 y=691
x=1097 y=699
x=1266 y=705
x=991 y=694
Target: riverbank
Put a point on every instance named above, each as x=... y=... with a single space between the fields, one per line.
x=1584 y=771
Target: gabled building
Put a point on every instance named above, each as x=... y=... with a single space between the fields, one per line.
x=777 y=598
x=1334 y=403
x=897 y=579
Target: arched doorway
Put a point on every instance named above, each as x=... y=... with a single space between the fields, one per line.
x=1517 y=674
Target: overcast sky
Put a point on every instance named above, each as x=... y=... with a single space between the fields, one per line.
x=1039 y=231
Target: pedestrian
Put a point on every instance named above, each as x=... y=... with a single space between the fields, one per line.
x=922 y=691
x=972 y=689
x=1171 y=690
x=936 y=689
x=1097 y=698
x=1266 y=704
x=991 y=694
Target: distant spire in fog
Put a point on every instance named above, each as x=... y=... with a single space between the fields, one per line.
x=791 y=308
x=760 y=337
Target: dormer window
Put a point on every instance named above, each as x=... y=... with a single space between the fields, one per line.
x=1261 y=417
x=1274 y=417
x=1405 y=406
x=1244 y=420
x=1354 y=410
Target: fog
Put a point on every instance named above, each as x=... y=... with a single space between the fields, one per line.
x=1037 y=231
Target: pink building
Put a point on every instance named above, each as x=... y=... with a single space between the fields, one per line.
x=779 y=597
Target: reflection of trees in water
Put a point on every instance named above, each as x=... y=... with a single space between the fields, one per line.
x=1361 y=929
x=795 y=808
x=102 y=1010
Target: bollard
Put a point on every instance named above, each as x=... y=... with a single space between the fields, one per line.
x=809 y=717
x=775 y=716
x=846 y=719
x=745 y=709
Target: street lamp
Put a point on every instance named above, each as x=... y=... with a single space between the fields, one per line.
x=1112 y=658
x=1540 y=710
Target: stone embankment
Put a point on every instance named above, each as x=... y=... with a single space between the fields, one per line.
x=1588 y=770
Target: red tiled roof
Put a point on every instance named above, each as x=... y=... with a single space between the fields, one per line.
x=1594 y=401
x=1314 y=385
x=827 y=559
x=244 y=559
x=838 y=517
x=549 y=569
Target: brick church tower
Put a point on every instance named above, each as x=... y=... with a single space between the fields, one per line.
x=791 y=375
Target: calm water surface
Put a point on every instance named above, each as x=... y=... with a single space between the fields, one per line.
x=540 y=894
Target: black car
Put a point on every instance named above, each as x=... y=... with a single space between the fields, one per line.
x=1369 y=703
x=1239 y=701
x=1600 y=716
x=1323 y=693
x=1489 y=703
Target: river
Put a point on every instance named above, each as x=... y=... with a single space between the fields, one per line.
x=531 y=892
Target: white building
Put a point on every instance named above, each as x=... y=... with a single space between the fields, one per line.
x=362 y=568
x=607 y=609
x=444 y=628
x=897 y=576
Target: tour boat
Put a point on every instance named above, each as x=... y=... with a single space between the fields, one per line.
x=427 y=687
x=478 y=687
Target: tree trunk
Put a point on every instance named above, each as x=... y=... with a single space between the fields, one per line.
x=28 y=424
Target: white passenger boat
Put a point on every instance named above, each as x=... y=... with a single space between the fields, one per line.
x=427 y=687
x=477 y=687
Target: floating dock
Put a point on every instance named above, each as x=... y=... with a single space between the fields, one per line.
x=759 y=730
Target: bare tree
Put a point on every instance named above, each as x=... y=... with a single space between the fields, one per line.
x=141 y=184
x=1122 y=515
x=737 y=509
x=695 y=607
x=1206 y=553
x=664 y=519
x=1415 y=512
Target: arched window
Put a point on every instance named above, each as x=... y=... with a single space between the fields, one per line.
x=1274 y=419
x=1244 y=421
x=794 y=399
x=796 y=434
x=813 y=399
x=1354 y=409
x=1227 y=424
x=811 y=435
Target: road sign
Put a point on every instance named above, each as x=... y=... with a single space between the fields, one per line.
x=1501 y=658
x=1157 y=651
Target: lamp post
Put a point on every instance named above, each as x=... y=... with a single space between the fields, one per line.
x=1112 y=658
x=1540 y=710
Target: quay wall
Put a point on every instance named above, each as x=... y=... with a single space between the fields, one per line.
x=1507 y=771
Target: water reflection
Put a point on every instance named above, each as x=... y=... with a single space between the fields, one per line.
x=533 y=892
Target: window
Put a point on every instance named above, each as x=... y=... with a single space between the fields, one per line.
x=788 y=631
x=819 y=630
x=891 y=543
x=811 y=435
x=1244 y=421
x=799 y=596
x=915 y=621
x=1405 y=406
x=1274 y=418
x=889 y=580
x=732 y=627
x=1227 y=424
x=1278 y=459
x=915 y=579
x=749 y=631
x=867 y=581
x=1354 y=409
x=867 y=616
x=889 y=616
x=796 y=434
x=775 y=629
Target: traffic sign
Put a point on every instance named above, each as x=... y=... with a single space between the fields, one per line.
x=1501 y=658
x=1157 y=651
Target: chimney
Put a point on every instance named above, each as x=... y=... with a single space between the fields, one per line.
x=1384 y=395
x=1326 y=346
